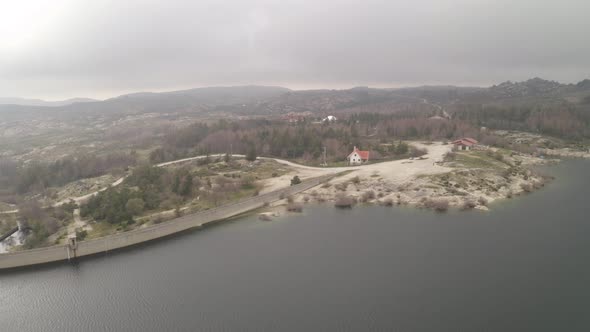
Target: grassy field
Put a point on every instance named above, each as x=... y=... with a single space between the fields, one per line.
x=478 y=159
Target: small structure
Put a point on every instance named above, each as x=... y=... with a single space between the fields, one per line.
x=465 y=144
x=329 y=118
x=357 y=157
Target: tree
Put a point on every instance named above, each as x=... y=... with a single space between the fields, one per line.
x=251 y=155
x=176 y=184
x=226 y=158
x=135 y=206
x=187 y=186
x=295 y=180
x=401 y=149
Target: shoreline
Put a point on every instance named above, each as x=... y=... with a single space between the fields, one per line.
x=450 y=186
x=60 y=253
x=428 y=183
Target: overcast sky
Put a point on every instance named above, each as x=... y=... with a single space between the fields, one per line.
x=74 y=48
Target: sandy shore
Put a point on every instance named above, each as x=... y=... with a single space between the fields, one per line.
x=427 y=182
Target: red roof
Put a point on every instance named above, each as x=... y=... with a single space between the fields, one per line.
x=363 y=154
x=465 y=141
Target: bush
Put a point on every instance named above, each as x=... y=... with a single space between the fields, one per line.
x=388 y=202
x=344 y=202
x=290 y=199
x=251 y=154
x=294 y=207
x=450 y=156
x=482 y=201
x=295 y=180
x=135 y=206
x=438 y=205
x=356 y=180
x=526 y=187
x=469 y=204
x=417 y=152
x=81 y=235
x=306 y=199
x=367 y=196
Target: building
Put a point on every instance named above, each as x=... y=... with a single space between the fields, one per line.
x=329 y=118
x=465 y=144
x=357 y=157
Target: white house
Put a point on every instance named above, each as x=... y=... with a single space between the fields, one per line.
x=329 y=118
x=357 y=157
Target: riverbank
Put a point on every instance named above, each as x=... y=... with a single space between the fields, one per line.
x=444 y=179
x=141 y=235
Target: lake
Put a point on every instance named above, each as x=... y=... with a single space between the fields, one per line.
x=524 y=266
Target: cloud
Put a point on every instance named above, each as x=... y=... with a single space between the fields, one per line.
x=99 y=48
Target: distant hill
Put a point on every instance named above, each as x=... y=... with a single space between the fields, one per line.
x=272 y=100
x=39 y=102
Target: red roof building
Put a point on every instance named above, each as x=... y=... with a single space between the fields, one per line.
x=357 y=157
x=465 y=143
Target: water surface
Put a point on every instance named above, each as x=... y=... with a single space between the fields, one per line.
x=525 y=266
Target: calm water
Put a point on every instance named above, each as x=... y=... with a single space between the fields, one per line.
x=523 y=267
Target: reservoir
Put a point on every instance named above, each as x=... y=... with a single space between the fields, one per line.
x=524 y=266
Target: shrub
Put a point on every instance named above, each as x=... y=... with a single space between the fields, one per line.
x=356 y=180
x=274 y=175
x=306 y=199
x=439 y=205
x=482 y=201
x=344 y=202
x=526 y=187
x=417 y=152
x=367 y=196
x=388 y=202
x=81 y=234
x=295 y=180
x=469 y=204
x=135 y=206
x=290 y=199
x=294 y=207
x=450 y=156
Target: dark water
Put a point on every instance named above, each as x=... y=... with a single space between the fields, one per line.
x=523 y=267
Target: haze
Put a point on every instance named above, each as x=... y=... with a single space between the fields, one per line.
x=65 y=48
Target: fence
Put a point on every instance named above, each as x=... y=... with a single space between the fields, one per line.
x=116 y=241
